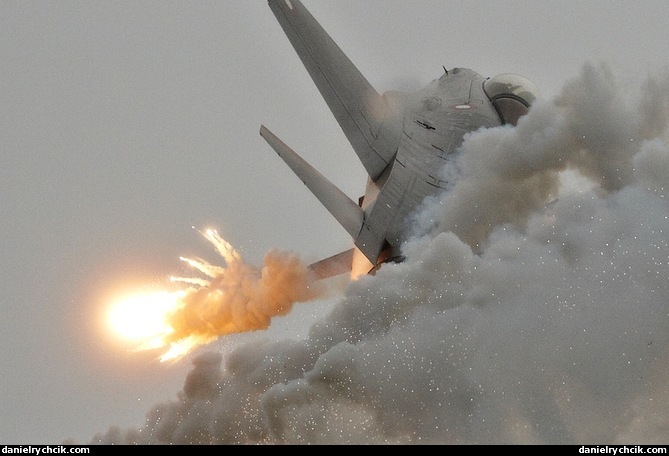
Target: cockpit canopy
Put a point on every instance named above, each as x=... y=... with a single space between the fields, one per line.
x=511 y=95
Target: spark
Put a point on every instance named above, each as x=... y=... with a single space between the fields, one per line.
x=233 y=298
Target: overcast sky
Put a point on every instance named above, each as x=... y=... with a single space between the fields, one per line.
x=125 y=124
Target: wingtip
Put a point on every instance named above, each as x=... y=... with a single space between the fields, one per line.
x=267 y=135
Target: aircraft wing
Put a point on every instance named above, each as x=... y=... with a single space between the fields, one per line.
x=346 y=211
x=356 y=105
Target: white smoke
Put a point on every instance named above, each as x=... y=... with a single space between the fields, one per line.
x=508 y=322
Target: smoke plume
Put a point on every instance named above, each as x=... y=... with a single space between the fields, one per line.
x=234 y=298
x=511 y=321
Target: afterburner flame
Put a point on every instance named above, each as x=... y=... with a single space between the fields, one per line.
x=230 y=299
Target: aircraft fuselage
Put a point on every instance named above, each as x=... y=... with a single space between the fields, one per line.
x=429 y=129
x=405 y=141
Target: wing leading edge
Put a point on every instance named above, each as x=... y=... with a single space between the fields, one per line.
x=343 y=209
x=356 y=105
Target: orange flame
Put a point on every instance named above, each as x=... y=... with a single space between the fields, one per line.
x=234 y=298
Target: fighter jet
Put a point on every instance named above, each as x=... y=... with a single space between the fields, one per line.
x=402 y=139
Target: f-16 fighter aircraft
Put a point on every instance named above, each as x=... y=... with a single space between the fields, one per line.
x=402 y=139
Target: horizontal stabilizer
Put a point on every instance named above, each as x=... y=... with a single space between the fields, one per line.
x=347 y=212
x=335 y=265
x=357 y=106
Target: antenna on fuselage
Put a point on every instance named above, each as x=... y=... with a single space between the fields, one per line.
x=444 y=67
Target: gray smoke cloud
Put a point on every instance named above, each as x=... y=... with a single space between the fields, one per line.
x=510 y=321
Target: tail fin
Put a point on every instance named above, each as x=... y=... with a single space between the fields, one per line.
x=348 y=213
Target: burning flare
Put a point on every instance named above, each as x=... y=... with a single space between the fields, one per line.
x=234 y=298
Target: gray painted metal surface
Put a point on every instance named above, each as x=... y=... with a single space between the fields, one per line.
x=404 y=140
